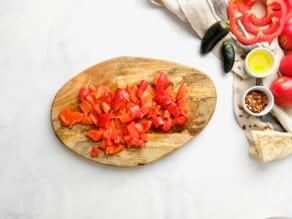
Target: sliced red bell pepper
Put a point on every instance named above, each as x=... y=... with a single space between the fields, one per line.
x=248 y=28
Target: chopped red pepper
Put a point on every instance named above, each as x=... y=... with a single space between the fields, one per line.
x=69 y=118
x=248 y=28
x=94 y=151
x=95 y=134
x=85 y=107
x=103 y=119
x=83 y=93
x=161 y=81
x=121 y=119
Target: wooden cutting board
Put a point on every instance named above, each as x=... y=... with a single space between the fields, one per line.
x=118 y=72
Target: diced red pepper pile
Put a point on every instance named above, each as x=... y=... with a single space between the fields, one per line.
x=121 y=118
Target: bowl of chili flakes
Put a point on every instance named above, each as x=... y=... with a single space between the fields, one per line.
x=257 y=101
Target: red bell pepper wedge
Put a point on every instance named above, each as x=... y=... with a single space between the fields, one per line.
x=250 y=29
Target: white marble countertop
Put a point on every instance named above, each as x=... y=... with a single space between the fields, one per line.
x=45 y=43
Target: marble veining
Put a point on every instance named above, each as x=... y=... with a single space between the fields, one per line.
x=44 y=44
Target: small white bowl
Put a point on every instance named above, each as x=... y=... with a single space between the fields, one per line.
x=260 y=62
x=267 y=108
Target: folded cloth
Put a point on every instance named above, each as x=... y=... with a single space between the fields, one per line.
x=277 y=125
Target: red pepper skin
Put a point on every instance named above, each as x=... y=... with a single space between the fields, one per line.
x=264 y=29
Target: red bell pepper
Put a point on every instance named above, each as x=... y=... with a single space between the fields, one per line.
x=248 y=28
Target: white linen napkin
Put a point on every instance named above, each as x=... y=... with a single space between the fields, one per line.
x=200 y=14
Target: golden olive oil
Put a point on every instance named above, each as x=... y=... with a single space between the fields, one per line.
x=260 y=62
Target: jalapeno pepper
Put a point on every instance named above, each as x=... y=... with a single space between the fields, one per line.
x=248 y=28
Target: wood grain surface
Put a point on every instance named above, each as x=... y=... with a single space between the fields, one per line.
x=118 y=72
